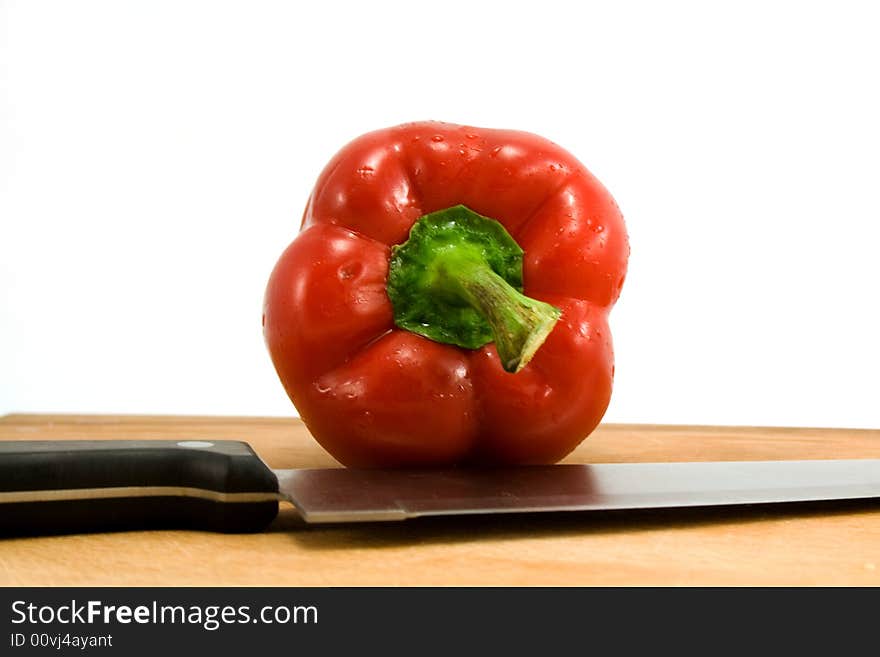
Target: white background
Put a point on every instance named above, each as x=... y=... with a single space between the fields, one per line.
x=155 y=158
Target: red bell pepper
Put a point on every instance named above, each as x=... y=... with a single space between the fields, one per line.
x=386 y=331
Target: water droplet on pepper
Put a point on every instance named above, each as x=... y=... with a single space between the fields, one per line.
x=349 y=270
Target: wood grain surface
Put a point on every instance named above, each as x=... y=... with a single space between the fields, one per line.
x=830 y=544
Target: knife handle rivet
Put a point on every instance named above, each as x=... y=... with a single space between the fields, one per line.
x=196 y=444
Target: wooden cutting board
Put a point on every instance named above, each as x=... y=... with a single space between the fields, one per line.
x=814 y=545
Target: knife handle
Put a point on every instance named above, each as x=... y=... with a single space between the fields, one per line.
x=73 y=486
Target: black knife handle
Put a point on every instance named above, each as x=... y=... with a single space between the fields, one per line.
x=50 y=487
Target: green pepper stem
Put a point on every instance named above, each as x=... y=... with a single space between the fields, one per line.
x=457 y=280
x=519 y=323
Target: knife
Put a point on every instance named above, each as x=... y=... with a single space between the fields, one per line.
x=63 y=486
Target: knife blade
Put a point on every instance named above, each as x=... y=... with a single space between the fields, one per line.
x=62 y=486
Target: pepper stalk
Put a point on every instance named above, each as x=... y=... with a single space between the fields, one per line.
x=458 y=280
